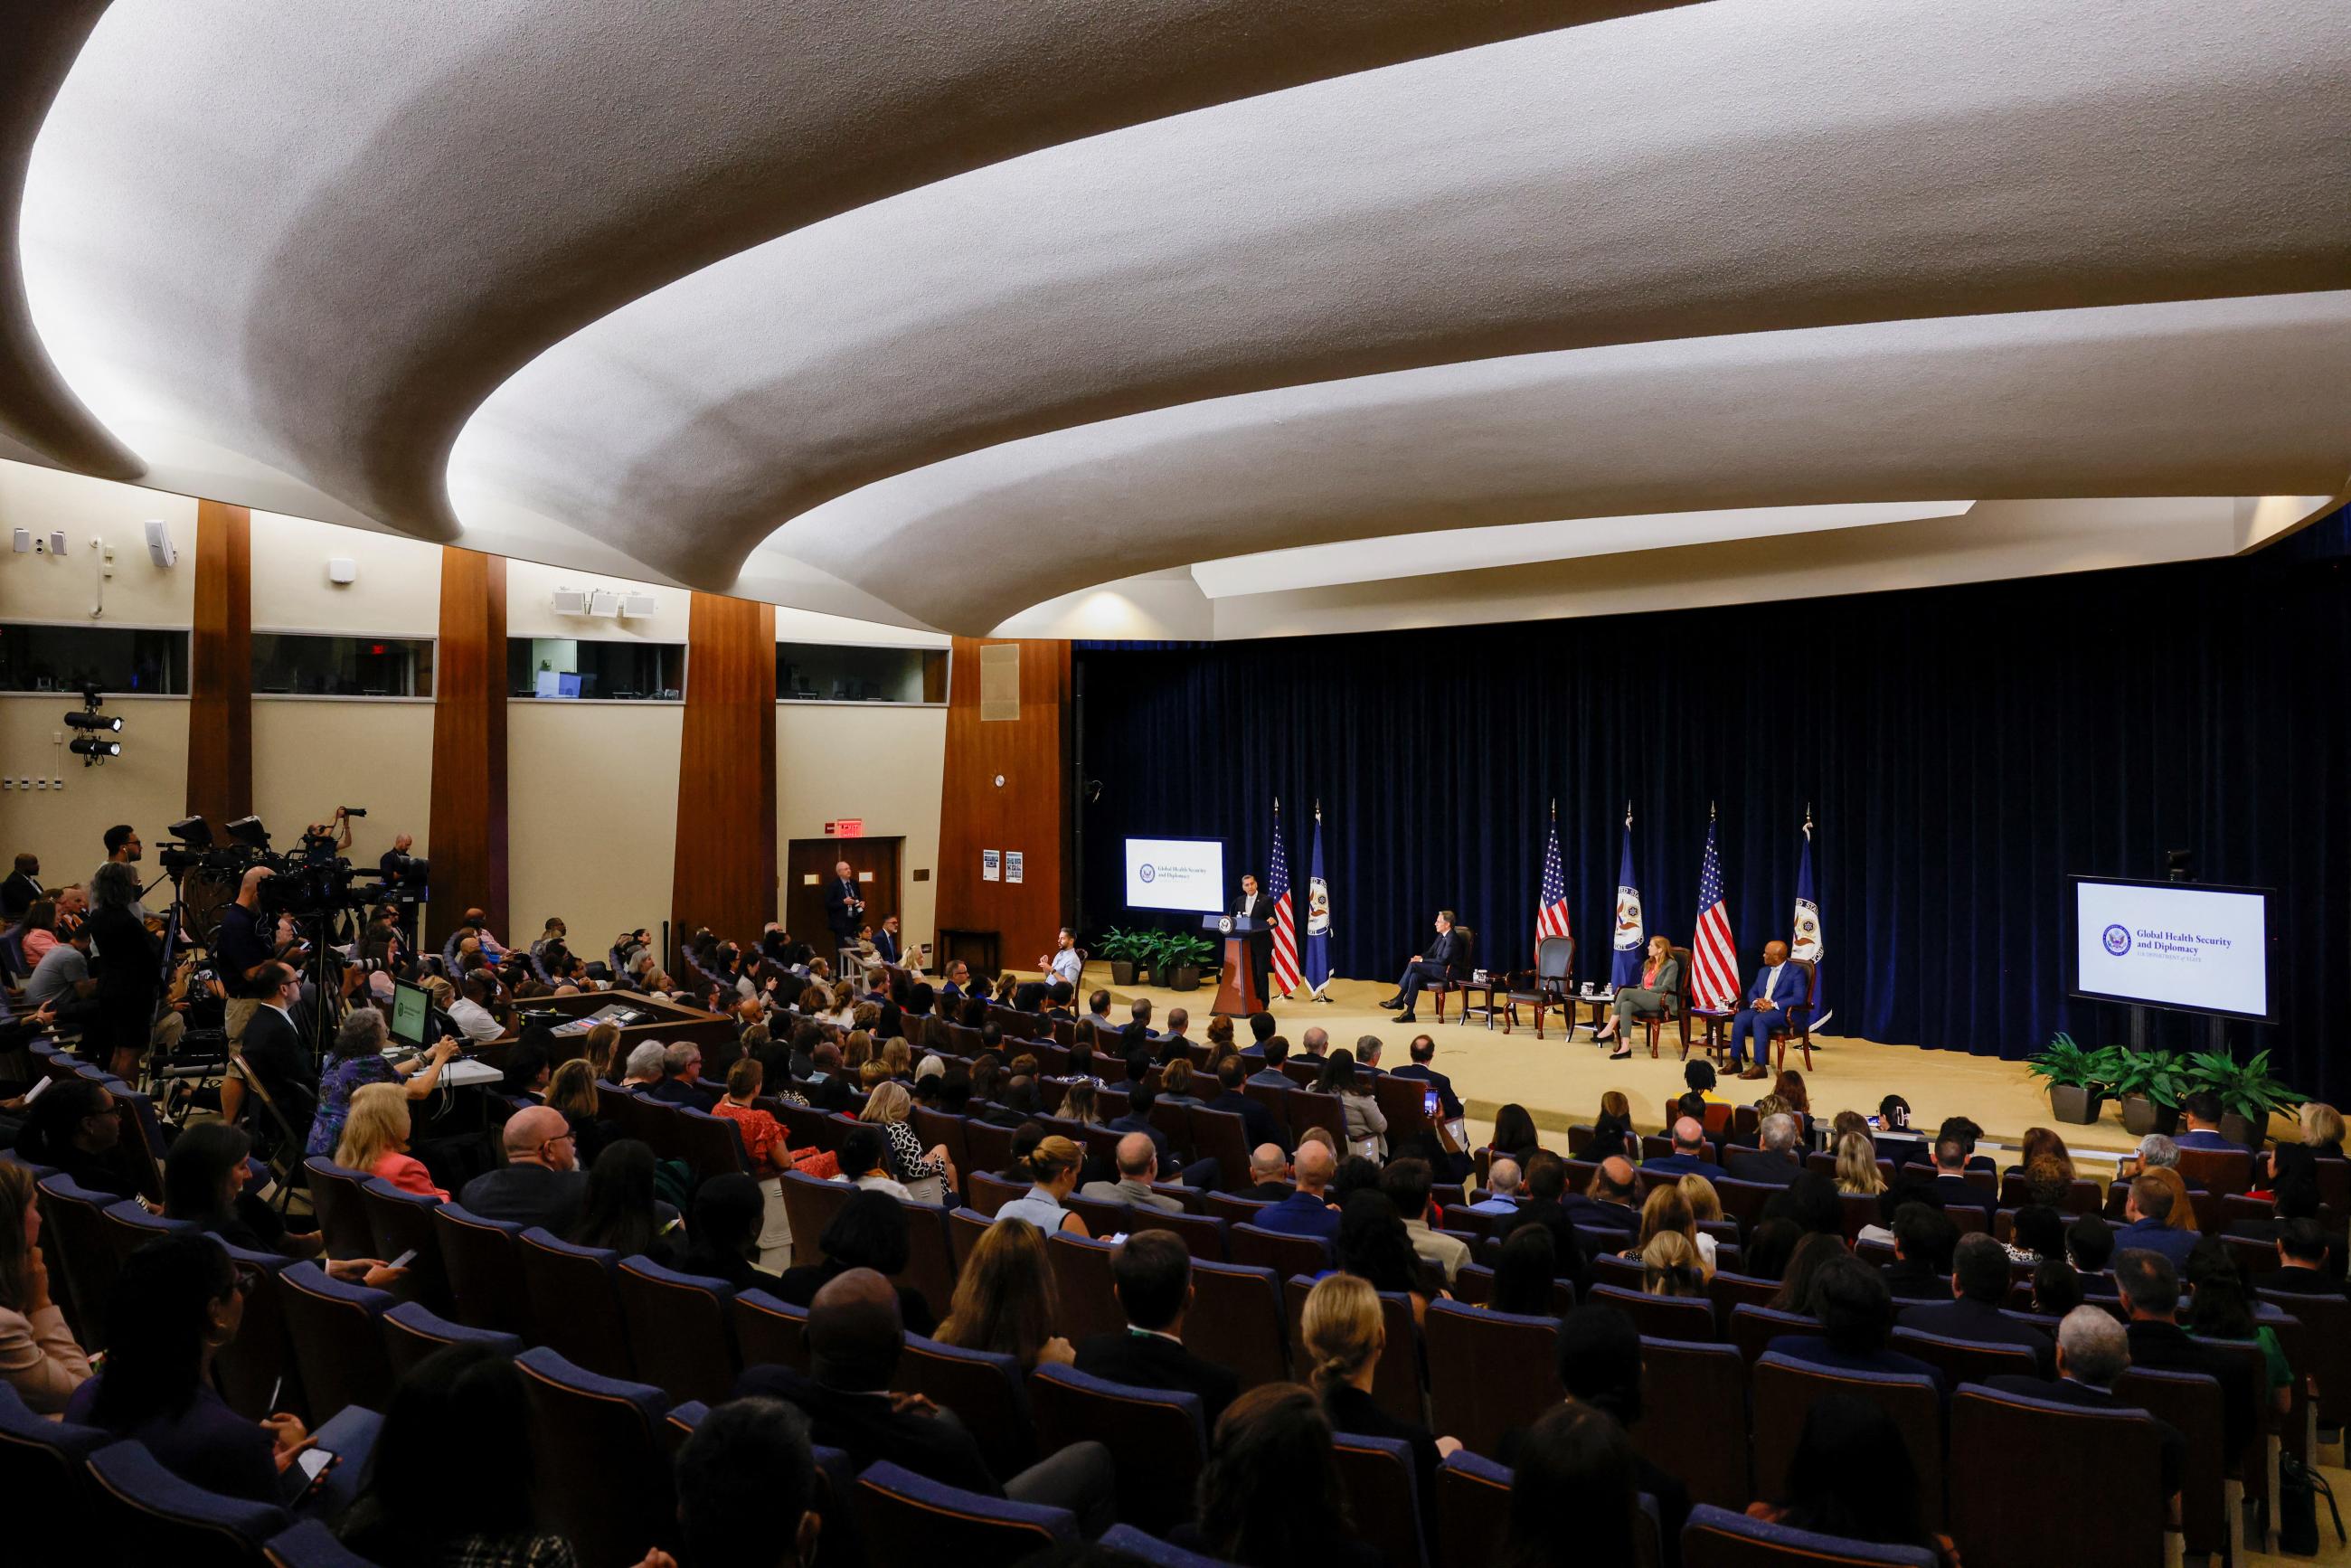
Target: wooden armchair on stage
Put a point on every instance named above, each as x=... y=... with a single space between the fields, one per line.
x=1679 y=1018
x=1800 y=1020
x=1546 y=985
x=1457 y=973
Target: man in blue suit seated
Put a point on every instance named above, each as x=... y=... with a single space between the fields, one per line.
x=2203 y=1110
x=1433 y=965
x=1979 y=1279
x=1689 y=1151
x=2149 y=1210
x=1306 y=1211
x=1857 y=1314
x=1424 y=1052
x=1779 y=986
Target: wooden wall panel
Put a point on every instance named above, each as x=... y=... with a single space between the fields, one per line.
x=468 y=842
x=725 y=863
x=1029 y=812
x=220 y=684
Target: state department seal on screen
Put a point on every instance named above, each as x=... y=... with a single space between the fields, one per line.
x=2117 y=940
x=1149 y=873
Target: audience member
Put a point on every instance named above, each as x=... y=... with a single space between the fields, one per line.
x=178 y=1302
x=375 y=1140
x=926 y=1173
x=451 y=1478
x=572 y=1091
x=1423 y=1051
x=1575 y=1495
x=1344 y=1331
x=2302 y=1250
x=1856 y=1316
x=2037 y=1231
x=1138 y=1167
x=1003 y=1298
x=1771 y=1246
x=1270 y=1496
x=1850 y=1475
x=2149 y=1210
x=75 y=1128
x=2090 y=1247
x=2056 y=1288
x=1367 y=1125
x=541 y=1183
x=723 y=1239
x=1514 y=1133
x=1798 y=1283
x=1546 y=1179
x=1407 y=1183
x=1667 y=1210
x=1856 y=1166
x=1522 y=1273
x=1152 y=1272
x=2093 y=1351
x=2201 y=1111
x=1979 y=1282
x=1924 y=1239
x=1372 y=1245
x=38 y=1355
x=1258 y=1125
x=2149 y=1287
x=764 y=1141
x=1501 y=1187
x=864 y=1163
x=1268 y=1174
x=1777 y=1159
x=869 y=1232
x=2218 y=1309
x=745 y=1481
x=1053 y=1166
x=854 y=1339
x=1689 y=1157
x=1305 y=1211
x=1670 y=1266
x=617 y=1209
x=1606 y=1201
x=1611 y=1131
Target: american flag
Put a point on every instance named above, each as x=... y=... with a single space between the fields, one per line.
x=1285 y=923
x=1713 y=952
x=1551 y=914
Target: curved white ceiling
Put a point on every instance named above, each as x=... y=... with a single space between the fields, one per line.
x=930 y=310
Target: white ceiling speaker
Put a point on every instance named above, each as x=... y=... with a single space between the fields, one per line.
x=342 y=569
x=601 y=602
x=636 y=606
x=160 y=548
x=571 y=602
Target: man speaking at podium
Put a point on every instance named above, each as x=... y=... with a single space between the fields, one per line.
x=1254 y=905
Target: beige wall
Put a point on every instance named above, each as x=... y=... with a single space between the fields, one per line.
x=312 y=755
x=147 y=786
x=530 y=607
x=397 y=592
x=874 y=760
x=591 y=817
x=40 y=587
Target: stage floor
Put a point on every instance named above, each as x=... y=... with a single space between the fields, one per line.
x=1559 y=1079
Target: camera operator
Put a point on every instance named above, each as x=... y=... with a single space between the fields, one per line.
x=325 y=841
x=249 y=944
x=383 y=942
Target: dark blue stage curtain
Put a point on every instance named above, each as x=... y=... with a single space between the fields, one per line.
x=1961 y=749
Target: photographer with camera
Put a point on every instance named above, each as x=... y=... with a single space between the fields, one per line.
x=248 y=943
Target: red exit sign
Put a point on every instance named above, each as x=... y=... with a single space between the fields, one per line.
x=846 y=828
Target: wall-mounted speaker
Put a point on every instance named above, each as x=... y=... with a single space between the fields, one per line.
x=637 y=606
x=603 y=603
x=570 y=601
x=160 y=548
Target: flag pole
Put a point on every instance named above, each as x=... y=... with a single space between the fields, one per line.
x=1321 y=990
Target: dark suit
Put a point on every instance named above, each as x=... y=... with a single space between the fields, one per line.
x=1133 y=1123
x=1257 y=1122
x=885 y=948
x=1962 y=1319
x=843 y=912
x=2161 y=1239
x=2205 y=1139
x=2299 y=1282
x=18 y=892
x=1958 y=1191
x=678 y=1091
x=1783 y=990
x=1760 y=1166
x=1593 y=1214
x=1814 y=1351
x=526 y=1195
x=1267 y=1192
x=2070 y=1391
x=1910 y=1280
x=1682 y=1165
x=1150 y=1361
x=275 y=1055
x=863 y=1425
x=1445 y=1095
x=1567 y=1244
x=1260 y=944
x=1435 y=964
x=1301 y=1214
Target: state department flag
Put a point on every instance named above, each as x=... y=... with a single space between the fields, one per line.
x=1630 y=936
x=1316 y=971
x=1804 y=939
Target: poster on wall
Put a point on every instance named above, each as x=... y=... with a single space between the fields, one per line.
x=1012 y=865
x=991 y=865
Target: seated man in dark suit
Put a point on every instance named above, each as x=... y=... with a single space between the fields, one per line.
x=1689 y=1157
x=1447 y=948
x=1152 y=1271
x=1424 y=1052
x=1951 y=1182
x=1979 y=1279
x=2202 y=1112
x=681 y=1081
x=2149 y=1210
x=2149 y=1287
x=1606 y=1201
x=274 y=1051
x=2092 y=1350
x=1306 y=1211
x=1856 y=1319
x=1924 y=1243
x=1258 y=1125
x=1262 y=1029
x=1545 y=1180
x=1140 y=1098
x=2301 y=1262
x=1268 y=1175
x=828 y=1088
x=2090 y=1247
x=540 y=1183
x=854 y=1339
x=1778 y=1158
x=1274 y=1051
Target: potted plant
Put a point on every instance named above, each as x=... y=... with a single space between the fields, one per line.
x=2078 y=1078
x=2247 y=1092
x=2150 y=1084
x=1122 y=948
x=1183 y=952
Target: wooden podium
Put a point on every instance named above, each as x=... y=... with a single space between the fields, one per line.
x=1237 y=992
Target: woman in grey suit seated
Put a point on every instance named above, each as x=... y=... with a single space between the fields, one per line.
x=1656 y=996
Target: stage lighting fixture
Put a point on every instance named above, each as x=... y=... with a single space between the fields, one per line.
x=87 y=748
x=94 y=721
x=248 y=832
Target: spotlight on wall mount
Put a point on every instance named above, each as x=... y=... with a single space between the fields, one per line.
x=89 y=724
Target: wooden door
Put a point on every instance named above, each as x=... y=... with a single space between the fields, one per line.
x=808 y=868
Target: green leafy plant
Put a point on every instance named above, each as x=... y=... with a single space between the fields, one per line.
x=2158 y=1075
x=1190 y=949
x=2067 y=1065
x=2245 y=1088
x=1116 y=946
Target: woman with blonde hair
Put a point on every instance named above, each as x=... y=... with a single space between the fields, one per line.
x=922 y=1173
x=1667 y=1210
x=1856 y=1166
x=602 y=1041
x=2322 y=1129
x=875 y=1071
x=844 y=1013
x=898 y=1058
x=375 y=1140
x=1344 y=1331
x=1080 y=1104
x=1003 y=1298
x=865 y=1017
x=1670 y=1266
x=1052 y=1165
x=1657 y=996
x=1705 y=1202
